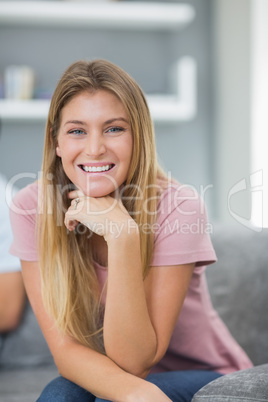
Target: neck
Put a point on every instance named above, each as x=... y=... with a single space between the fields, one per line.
x=100 y=249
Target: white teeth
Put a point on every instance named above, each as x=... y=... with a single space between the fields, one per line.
x=96 y=168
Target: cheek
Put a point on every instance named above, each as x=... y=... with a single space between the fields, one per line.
x=126 y=150
x=130 y=151
x=66 y=150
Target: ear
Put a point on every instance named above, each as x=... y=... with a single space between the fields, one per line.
x=58 y=151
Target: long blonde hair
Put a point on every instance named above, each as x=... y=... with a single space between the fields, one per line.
x=69 y=283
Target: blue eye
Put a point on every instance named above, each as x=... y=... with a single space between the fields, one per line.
x=115 y=129
x=76 y=132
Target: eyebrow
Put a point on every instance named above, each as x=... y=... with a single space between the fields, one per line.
x=82 y=123
x=75 y=122
x=115 y=119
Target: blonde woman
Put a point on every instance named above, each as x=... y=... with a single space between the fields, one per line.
x=112 y=259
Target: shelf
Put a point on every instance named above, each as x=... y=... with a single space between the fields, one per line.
x=164 y=108
x=24 y=110
x=112 y=15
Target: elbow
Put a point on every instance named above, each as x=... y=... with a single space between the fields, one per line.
x=138 y=370
x=137 y=365
x=61 y=365
x=142 y=369
x=60 y=357
x=141 y=372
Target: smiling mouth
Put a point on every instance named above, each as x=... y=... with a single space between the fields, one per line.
x=96 y=169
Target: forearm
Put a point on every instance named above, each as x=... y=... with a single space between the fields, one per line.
x=129 y=336
x=98 y=374
x=91 y=370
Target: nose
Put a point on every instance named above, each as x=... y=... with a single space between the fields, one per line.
x=95 y=145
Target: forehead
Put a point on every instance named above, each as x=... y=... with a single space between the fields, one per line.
x=93 y=104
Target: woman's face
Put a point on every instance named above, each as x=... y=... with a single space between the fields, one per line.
x=95 y=142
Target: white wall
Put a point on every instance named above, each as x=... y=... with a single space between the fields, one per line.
x=241 y=111
x=259 y=122
x=231 y=44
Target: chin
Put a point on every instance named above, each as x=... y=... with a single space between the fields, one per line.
x=99 y=188
x=97 y=192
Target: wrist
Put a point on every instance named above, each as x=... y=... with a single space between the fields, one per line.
x=123 y=231
x=143 y=391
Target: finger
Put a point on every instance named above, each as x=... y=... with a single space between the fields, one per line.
x=75 y=194
x=75 y=208
x=70 y=223
x=74 y=204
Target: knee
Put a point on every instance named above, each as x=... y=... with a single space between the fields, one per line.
x=54 y=391
x=62 y=390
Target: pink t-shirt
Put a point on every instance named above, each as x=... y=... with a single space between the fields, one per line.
x=200 y=339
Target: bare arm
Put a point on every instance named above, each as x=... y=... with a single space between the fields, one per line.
x=139 y=317
x=12 y=300
x=94 y=372
x=129 y=336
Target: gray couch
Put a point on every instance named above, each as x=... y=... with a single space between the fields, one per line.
x=238 y=285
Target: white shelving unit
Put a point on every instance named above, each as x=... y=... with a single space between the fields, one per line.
x=24 y=110
x=117 y=15
x=181 y=106
x=164 y=108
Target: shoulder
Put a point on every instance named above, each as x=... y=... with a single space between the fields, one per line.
x=179 y=199
x=182 y=231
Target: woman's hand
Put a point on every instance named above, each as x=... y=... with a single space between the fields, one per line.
x=105 y=216
x=148 y=393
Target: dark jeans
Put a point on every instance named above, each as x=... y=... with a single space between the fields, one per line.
x=179 y=386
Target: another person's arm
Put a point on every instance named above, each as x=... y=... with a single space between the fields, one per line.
x=12 y=293
x=12 y=300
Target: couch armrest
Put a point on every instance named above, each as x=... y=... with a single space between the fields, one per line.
x=246 y=385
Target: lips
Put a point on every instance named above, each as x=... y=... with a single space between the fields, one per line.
x=97 y=168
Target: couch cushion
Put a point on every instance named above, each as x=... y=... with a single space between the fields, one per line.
x=238 y=286
x=25 y=385
x=246 y=385
x=25 y=346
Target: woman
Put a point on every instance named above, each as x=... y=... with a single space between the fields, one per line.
x=115 y=271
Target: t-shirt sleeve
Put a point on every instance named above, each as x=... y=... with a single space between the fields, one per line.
x=183 y=230
x=23 y=213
